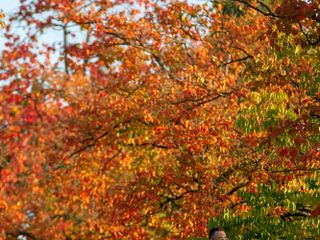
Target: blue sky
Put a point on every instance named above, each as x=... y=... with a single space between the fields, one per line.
x=9 y=6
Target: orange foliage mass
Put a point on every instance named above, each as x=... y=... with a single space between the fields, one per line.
x=132 y=133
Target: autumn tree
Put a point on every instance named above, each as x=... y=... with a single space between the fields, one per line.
x=148 y=119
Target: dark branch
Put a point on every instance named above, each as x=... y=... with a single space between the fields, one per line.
x=176 y=198
x=302 y=212
x=307 y=36
x=295 y=170
x=239 y=186
x=21 y=234
x=109 y=160
x=204 y=99
x=268 y=11
x=65 y=45
x=96 y=140
x=236 y=60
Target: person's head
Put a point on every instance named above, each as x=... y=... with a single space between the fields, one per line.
x=217 y=234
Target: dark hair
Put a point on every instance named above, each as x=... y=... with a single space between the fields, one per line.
x=212 y=231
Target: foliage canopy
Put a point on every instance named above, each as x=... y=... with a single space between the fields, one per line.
x=150 y=119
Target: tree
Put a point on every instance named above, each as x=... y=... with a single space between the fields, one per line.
x=164 y=116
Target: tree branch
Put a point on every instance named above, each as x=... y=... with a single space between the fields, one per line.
x=307 y=36
x=96 y=140
x=65 y=45
x=265 y=13
x=236 y=60
x=21 y=234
